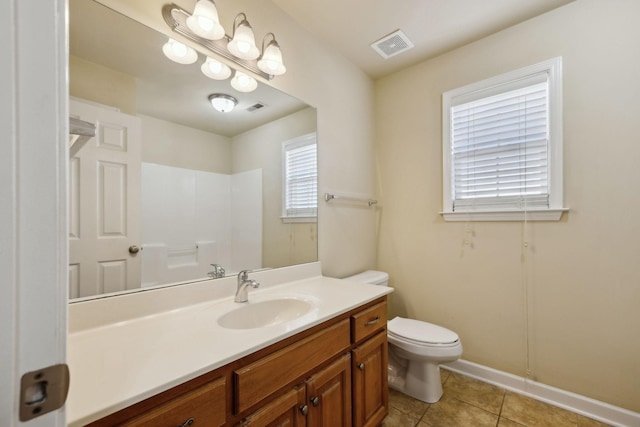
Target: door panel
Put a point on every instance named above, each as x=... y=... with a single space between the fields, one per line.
x=104 y=205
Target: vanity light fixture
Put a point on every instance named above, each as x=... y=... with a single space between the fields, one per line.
x=271 y=60
x=238 y=50
x=243 y=83
x=179 y=52
x=243 y=42
x=223 y=102
x=205 y=22
x=215 y=70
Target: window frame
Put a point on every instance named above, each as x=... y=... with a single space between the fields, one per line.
x=489 y=87
x=300 y=141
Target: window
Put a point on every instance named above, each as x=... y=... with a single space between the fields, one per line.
x=300 y=179
x=502 y=147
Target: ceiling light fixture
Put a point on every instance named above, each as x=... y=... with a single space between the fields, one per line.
x=271 y=60
x=204 y=21
x=223 y=102
x=239 y=50
x=243 y=42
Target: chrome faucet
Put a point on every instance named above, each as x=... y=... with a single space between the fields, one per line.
x=218 y=271
x=242 y=294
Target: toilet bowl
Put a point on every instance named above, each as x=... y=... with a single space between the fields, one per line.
x=416 y=349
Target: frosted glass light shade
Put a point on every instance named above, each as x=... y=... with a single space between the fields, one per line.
x=205 y=22
x=271 y=61
x=215 y=69
x=243 y=43
x=222 y=102
x=243 y=83
x=179 y=52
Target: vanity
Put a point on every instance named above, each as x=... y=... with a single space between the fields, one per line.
x=305 y=350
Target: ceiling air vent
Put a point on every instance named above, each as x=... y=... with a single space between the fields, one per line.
x=392 y=44
x=256 y=106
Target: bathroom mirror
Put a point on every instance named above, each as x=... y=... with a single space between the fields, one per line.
x=205 y=187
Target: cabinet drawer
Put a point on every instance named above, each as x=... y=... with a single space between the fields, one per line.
x=260 y=379
x=205 y=405
x=369 y=321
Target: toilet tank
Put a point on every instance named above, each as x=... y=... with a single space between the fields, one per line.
x=372 y=277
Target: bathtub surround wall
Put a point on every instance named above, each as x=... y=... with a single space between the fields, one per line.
x=580 y=273
x=192 y=219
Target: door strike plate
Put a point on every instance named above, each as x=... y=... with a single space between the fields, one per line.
x=43 y=391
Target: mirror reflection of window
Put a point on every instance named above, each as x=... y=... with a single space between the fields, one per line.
x=300 y=179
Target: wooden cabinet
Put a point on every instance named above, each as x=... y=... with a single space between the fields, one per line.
x=329 y=395
x=332 y=375
x=204 y=405
x=287 y=410
x=370 y=391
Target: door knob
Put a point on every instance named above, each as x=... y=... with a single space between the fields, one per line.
x=133 y=249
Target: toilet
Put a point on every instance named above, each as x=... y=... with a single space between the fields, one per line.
x=416 y=349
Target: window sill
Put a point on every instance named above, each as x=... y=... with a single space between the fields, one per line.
x=294 y=219
x=532 y=215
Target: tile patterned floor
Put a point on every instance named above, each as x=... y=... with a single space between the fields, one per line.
x=467 y=402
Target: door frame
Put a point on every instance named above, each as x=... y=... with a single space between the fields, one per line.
x=33 y=197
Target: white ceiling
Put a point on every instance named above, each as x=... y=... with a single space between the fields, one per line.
x=434 y=26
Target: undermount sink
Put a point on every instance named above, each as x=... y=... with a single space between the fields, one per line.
x=261 y=314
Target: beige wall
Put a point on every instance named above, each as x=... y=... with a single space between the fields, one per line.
x=282 y=244
x=343 y=96
x=581 y=273
x=103 y=85
x=171 y=144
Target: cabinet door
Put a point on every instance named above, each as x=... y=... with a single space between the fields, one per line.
x=288 y=410
x=370 y=391
x=329 y=395
x=205 y=406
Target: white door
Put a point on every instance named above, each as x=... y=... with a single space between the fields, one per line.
x=33 y=217
x=104 y=204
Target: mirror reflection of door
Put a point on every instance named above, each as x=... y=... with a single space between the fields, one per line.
x=104 y=204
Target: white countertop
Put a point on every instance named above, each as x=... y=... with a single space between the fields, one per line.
x=118 y=364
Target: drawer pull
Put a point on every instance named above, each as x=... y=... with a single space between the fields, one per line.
x=315 y=400
x=304 y=410
x=373 y=321
x=361 y=366
x=187 y=423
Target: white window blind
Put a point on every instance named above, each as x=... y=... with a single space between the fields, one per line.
x=300 y=177
x=500 y=150
x=502 y=147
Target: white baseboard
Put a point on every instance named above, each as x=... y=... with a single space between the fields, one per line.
x=582 y=405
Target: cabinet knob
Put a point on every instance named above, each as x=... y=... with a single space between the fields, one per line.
x=361 y=366
x=304 y=410
x=315 y=401
x=187 y=423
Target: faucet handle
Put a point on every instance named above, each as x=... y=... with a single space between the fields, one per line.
x=243 y=275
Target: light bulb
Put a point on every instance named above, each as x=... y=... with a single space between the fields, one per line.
x=205 y=22
x=179 y=52
x=243 y=83
x=215 y=69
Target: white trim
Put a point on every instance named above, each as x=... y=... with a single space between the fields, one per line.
x=34 y=135
x=532 y=215
x=294 y=219
x=573 y=402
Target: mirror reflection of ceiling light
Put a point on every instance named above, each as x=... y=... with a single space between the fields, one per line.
x=240 y=50
x=179 y=52
x=222 y=102
x=243 y=83
x=215 y=69
x=205 y=22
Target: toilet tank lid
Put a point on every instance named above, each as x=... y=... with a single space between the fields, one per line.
x=373 y=277
x=422 y=332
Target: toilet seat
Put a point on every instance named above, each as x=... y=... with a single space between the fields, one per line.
x=420 y=333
